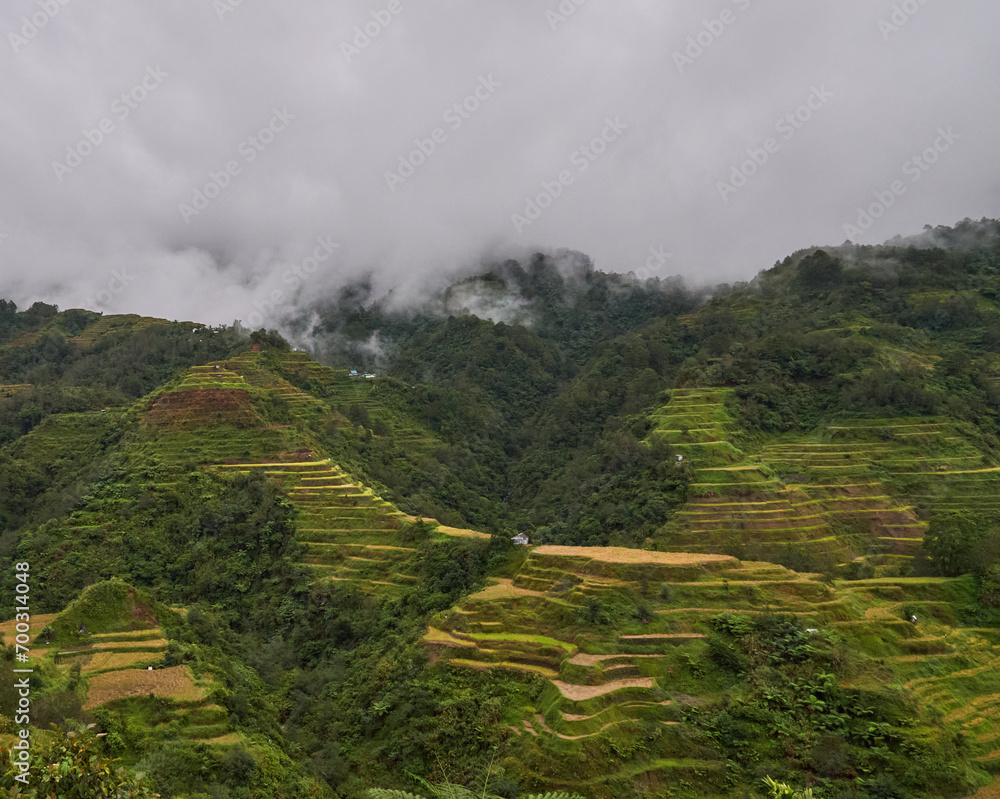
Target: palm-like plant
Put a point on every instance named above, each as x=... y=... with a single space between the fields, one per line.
x=780 y=790
x=450 y=791
x=457 y=792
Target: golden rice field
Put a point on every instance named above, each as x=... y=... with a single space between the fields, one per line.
x=503 y=590
x=135 y=643
x=435 y=636
x=38 y=622
x=137 y=635
x=622 y=555
x=109 y=661
x=456 y=532
x=176 y=682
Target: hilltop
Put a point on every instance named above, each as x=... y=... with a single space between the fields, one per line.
x=764 y=528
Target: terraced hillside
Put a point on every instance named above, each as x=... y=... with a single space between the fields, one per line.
x=737 y=503
x=222 y=417
x=351 y=534
x=227 y=411
x=600 y=684
x=110 y=646
x=13 y=389
x=118 y=324
x=623 y=648
x=853 y=488
x=382 y=401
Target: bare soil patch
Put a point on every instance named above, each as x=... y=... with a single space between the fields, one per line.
x=577 y=693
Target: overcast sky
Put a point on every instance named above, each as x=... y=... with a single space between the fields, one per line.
x=185 y=159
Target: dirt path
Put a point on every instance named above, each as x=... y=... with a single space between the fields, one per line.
x=541 y=722
x=749 y=612
x=660 y=636
x=575 y=717
x=577 y=693
x=580 y=659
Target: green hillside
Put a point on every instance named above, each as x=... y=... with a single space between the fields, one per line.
x=764 y=535
x=694 y=669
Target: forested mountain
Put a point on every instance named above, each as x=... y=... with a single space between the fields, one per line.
x=764 y=524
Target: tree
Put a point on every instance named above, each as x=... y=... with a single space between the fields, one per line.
x=989 y=587
x=70 y=765
x=819 y=271
x=951 y=541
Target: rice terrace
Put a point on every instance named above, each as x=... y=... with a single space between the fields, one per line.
x=644 y=541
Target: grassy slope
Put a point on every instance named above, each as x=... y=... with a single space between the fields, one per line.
x=849 y=487
x=636 y=685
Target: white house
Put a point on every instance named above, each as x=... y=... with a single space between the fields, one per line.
x=521 y=540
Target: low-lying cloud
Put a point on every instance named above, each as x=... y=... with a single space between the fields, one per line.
x=185 y=159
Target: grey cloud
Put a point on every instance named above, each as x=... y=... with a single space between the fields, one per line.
x=356 y=115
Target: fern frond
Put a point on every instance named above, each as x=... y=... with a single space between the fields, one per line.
x=453 y=792
x=559 y=795
x=385 y=793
